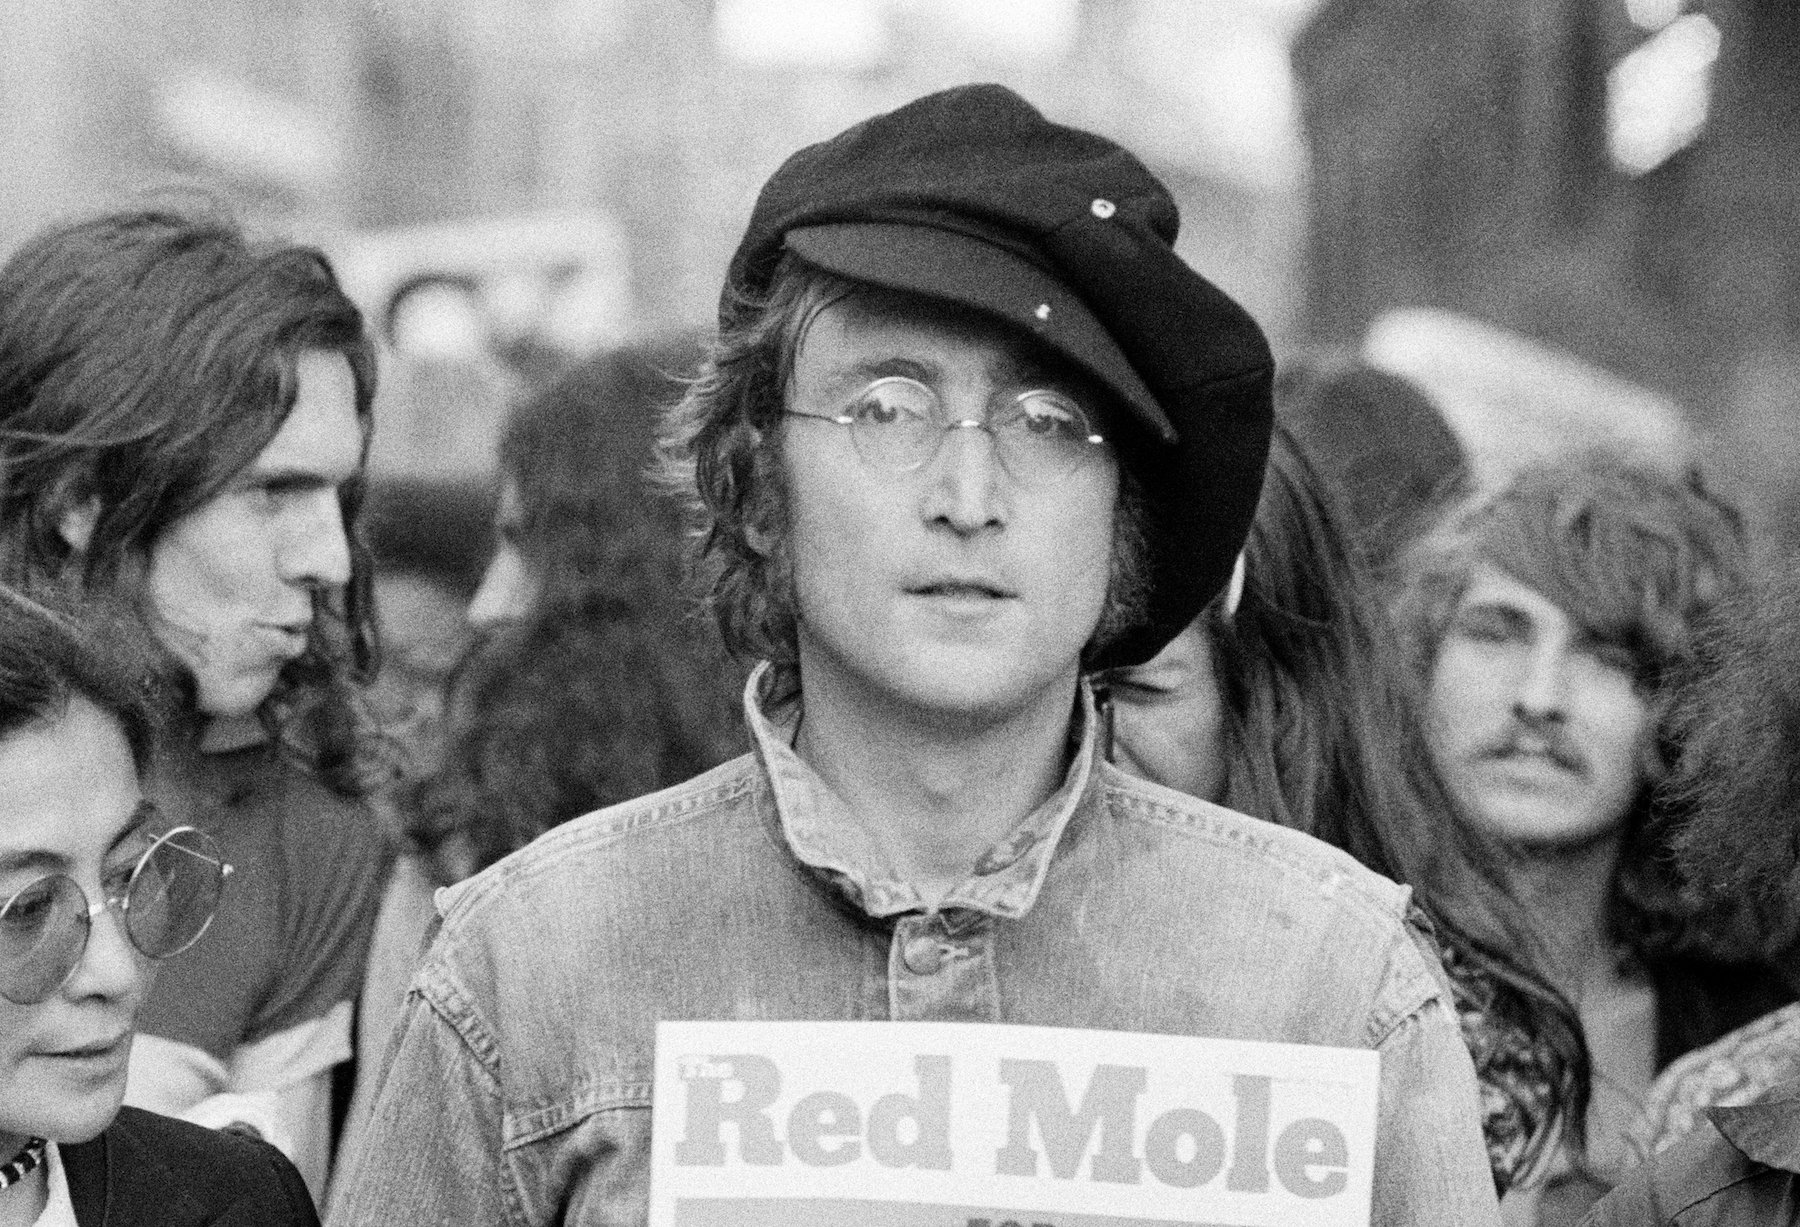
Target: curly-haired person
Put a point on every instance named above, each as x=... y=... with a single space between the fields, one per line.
x=1550 y=622
x=593 y=678
x=1721 y=1121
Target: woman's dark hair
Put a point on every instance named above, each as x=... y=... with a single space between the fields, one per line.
x=611 y=686
x=145 y=358
x=722 y=452
x=50 y=655
x=1322 y=731
x=1635 y=556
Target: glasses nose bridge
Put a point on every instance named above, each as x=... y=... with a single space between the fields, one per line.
x=951 y=426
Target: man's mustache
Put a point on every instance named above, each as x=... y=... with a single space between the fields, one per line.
x=1543 y=740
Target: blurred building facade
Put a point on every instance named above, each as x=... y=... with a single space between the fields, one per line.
x=663 y=114
x=1418 y=153
x=1481 y=158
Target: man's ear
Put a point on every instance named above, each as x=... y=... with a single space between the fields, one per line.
x=76 y=525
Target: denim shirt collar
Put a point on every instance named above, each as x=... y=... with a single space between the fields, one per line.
x=1767 y=1131
x=825 y=836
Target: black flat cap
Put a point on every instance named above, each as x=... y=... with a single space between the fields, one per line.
x=971 y=196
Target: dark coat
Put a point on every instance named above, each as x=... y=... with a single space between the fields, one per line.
x=147 y=1170
x=1743 y=1171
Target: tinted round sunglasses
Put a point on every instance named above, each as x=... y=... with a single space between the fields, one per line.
x=166 y=899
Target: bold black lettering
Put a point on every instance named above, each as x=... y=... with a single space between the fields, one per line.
x=930 y=1110
x=1250 y=1139
x=1109 y=1104
x=1162 y=1154
x=703 y=1145
x=1307 y=1144
x=822 y=1115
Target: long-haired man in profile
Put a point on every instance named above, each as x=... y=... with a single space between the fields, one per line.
x=183 y=419
x=970 y=428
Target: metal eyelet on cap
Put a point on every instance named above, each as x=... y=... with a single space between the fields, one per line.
x=1103 y=208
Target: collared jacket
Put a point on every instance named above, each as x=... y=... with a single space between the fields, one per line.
x=147 y=1170
x=518 y=1083
x=1743 y=1171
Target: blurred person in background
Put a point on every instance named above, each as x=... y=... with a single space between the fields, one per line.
x=1723 y=1123
x=937 y=491
x=1549 y=622
x=96 y=888
x=183 y=419
x=1380 y=441
x=593 y=680
x=1288 y=699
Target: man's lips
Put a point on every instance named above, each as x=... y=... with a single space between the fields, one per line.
x=962 y=589
x=286 y=639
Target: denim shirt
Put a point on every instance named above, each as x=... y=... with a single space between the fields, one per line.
x=518 y=1082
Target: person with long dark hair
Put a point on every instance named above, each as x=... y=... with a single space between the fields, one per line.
x=592 y=679
x=184 y=414
x=1287 y=699
x=1717 y=1134
x=1551 y=621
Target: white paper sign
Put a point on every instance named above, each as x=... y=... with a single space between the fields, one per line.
x=975 y=1125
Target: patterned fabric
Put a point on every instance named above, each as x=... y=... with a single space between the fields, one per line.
x=1517 y=1073
x=23 y=1163
x=1737 y=1069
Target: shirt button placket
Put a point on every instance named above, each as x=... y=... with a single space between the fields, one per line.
x=940 y=968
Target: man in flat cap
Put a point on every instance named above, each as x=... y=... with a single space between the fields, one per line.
x=970 y=430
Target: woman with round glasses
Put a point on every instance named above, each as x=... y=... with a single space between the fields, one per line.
x=93 y=893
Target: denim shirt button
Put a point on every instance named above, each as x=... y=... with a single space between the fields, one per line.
x=923 y=955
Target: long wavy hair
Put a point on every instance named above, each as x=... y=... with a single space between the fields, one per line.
x=611 y=686
x=1737 y=781
x=1635 y=556
x=145 y=358
x=1322 y=730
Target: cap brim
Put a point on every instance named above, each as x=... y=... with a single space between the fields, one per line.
x=962 y=269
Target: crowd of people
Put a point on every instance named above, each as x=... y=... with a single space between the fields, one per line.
x=975 y=628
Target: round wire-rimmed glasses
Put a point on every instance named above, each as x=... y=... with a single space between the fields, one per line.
x=898 y=424
x=166 y=899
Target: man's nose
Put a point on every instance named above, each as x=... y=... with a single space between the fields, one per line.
x=1544 y=686
x=966 y=486
x=315 y=549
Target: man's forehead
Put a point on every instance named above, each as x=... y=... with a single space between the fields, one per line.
x=1488 y=585
x=322 y=434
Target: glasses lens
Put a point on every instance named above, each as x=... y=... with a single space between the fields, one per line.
x=174 y=893
x=1045 y=434
x=894 y=423
x=43 y=930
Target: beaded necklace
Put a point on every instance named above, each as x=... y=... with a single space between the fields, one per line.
x=22 y=1164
